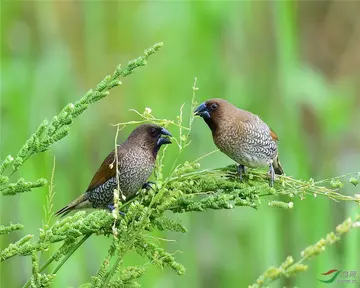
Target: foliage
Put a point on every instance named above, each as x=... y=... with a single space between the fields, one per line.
x=186 y=188
x=289 y=269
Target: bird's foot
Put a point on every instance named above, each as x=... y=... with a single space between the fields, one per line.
x=149 y=185
x=111 y=207
x=272 y=175
x=241 y=171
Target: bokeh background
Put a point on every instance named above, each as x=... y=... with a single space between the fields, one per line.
x=296 y=64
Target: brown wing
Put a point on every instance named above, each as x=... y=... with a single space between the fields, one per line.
x=246 y=116
x=273 y=135
x=243 y=115
x=106 y=171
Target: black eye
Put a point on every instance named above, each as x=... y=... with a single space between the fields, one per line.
x=153 y=131
x=214 y=106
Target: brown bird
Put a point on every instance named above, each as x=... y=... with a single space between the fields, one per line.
x=136 y=161
x=242 y=136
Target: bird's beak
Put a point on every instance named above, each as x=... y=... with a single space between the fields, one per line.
x=202 y=111
x=164 y=140
x=165 y=132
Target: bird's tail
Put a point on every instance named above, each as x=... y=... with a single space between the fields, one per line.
x=77 y=203
x=277 y=167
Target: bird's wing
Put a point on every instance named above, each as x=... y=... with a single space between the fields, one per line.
x=107 y=169
x=273 y=135
x=245 y=116
x=248 y=117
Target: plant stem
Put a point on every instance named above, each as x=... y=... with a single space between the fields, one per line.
x=52 y=258
x=47 y=263
x=112 y=272
x=68 y=255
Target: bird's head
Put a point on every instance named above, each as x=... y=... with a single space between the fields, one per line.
x=150 y=136
x=214 y=111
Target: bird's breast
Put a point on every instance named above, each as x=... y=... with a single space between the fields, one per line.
x=134 y=169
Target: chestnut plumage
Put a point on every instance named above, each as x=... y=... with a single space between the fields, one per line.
x=241 y=135
x=136 y=161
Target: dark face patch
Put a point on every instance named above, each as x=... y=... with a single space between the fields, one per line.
x=213 y=107
x=209 y=111
x=153 y=138
x=155 y=134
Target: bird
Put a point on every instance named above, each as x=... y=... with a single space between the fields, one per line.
x=242 y=136
x=136 y=162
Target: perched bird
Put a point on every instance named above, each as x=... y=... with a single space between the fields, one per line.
x=136 y=161
x=242 y=136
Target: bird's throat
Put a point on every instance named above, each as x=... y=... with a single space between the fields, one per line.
x=156 y=150
x=211 y=124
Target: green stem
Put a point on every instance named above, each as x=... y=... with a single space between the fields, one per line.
x=24 y=160
x=68 y=255
x=52 y=258
x=47 y=263
x=111 y=273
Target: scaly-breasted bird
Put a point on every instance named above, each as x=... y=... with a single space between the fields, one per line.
x=241 y=135
x=136 y=161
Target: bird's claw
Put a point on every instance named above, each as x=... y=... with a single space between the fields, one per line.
x=149 y=185
x=111 y=207
x=241 y=171
x=272 y=175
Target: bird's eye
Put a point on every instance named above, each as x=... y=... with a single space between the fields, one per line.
x=214 y=106
x=153 y=131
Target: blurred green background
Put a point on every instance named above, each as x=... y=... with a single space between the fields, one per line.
x=296 y=64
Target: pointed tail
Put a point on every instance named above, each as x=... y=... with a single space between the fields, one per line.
x=277 y=167
x=77 y=203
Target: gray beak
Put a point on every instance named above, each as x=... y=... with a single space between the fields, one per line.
x=164 y=140
x=165 y=132
x=202 y=111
